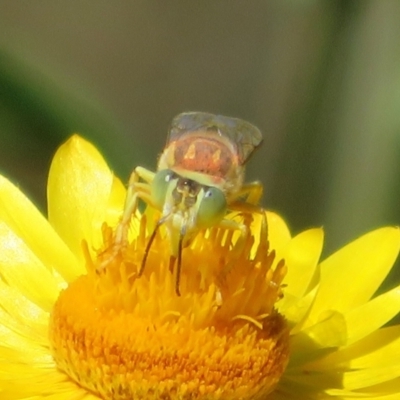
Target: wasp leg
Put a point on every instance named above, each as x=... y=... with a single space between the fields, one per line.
x=233 y=225
x=249 y=193
x=237 y=249
x=178 y=267
x=247 y=199
x=136 y=190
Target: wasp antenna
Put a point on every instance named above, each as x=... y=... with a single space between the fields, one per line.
x=178 y=267
x=148 y=246
x=171 y=265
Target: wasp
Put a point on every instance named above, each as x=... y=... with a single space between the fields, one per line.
x=199 y=180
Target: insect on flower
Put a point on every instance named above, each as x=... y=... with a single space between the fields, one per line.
x=199 y=179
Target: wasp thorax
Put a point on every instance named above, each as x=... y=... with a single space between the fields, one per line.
x=208 y=155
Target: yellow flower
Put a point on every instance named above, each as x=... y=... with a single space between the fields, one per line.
x=70 y=329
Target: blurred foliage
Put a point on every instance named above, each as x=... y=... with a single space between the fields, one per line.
x=35 y=117
x=320 y=78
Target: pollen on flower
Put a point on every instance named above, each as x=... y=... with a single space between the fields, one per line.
x=123 y=336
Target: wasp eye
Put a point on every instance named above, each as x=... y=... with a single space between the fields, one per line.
x=159 y=187
x=212 y=207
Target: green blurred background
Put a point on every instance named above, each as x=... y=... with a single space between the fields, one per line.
x=320 y=78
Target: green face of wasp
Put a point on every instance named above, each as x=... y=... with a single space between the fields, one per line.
x=196 y=206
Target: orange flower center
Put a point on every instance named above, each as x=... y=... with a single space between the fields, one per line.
x=123 y=336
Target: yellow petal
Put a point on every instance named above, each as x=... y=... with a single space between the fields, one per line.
x=27 y=222
x=318 y=385
x=301 y=256
x=21 y=269
x=278 y=233
x=380 y=348
x=21 y=315
x=369 y=377
x=37 y=383
x=310 y=344
x=19 y=349
x=371 y=316
x=295 y=310
x=115 y=202
x=79 y=192
x=351 y=276
x=350 y=396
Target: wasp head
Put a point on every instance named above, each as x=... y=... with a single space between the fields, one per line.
x=186 y=206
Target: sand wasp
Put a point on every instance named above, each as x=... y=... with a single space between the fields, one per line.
x=199 y=179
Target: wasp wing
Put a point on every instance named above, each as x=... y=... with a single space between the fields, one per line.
x=244 y=136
